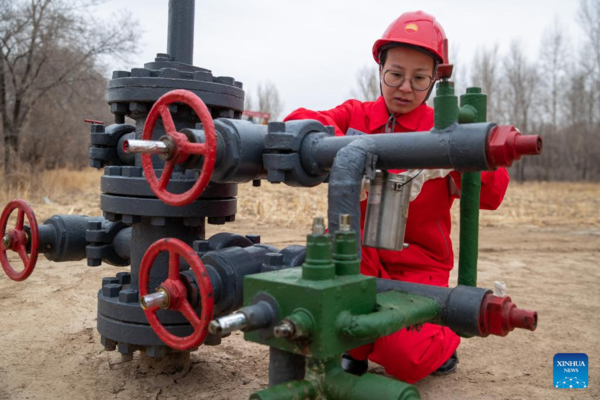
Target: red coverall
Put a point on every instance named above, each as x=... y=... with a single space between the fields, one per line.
x=411 y=355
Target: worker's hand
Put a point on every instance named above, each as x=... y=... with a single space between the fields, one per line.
x=422 y=176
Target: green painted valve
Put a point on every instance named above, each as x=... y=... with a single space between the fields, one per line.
x=327 y=308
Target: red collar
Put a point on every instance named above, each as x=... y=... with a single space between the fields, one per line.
x=380 y=116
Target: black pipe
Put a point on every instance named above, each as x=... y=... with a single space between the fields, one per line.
x=285 y=366
x=345 y=183
x=180 y=42
x=461 y=305
x=460 y=147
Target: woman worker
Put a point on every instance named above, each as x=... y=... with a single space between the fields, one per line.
x=408 y=55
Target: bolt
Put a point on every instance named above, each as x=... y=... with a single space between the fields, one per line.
x=124 y=278
x=109 y=281
x=274 y=127
x=128 y=296
x=94 y=225
x=274 y=259
x=344 y=223
x=6 y=241
x=109 y=345
x=120 y=74
x=140 y=72
x=111 y=290
x=255 y=239
x=203 y=76
x=284 y=330
x=226 y=80
x=318 y=227
x=156 y=351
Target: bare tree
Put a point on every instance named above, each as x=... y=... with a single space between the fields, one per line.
x=521 y=82
x=485 y=74
x=367 y=80
x=45 y=46
x=553 y=66
x=269 y=100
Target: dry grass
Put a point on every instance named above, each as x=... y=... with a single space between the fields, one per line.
x=59 y=191
x=538 y=204
x=547 y=204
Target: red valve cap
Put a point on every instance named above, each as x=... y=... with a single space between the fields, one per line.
x=506 y=144
x=500 y=316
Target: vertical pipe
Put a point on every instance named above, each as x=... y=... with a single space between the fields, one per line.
x=285 y=366
x=469 y=200
x=180 y=42
x=445 y=105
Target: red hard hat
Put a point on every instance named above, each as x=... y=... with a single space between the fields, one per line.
x=418 y=29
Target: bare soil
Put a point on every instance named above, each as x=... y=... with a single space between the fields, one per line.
x=50 y=347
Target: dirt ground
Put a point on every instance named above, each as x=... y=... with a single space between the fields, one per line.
x=50 y=347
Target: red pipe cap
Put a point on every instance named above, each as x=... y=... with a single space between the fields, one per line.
x=506 y=144
x=499 y=316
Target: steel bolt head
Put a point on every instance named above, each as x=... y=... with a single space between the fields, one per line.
x=275 y=127
x=318 y=227
x=111 y=290
x=6 y=241
x=284 y=330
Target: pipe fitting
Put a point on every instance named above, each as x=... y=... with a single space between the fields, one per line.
x=500 y=316
x=506 y=145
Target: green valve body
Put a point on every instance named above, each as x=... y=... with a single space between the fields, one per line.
x=323 y=300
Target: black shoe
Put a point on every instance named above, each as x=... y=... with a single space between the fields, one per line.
x=354 y=367
x=449 y=366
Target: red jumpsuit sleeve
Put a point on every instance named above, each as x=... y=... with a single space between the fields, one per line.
x=493 y=187
x=338 y=117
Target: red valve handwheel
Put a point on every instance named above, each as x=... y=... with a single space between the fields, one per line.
x=182 y=147
x=17 y=239
x=177 y=293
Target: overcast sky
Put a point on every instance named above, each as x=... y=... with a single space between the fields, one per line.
x=311 y=50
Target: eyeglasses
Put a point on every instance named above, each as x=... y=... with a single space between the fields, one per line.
x=417 y=82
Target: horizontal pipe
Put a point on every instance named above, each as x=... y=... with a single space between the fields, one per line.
x=398 y=310
x=461 y=306
x=340 y=385
x=458 y=147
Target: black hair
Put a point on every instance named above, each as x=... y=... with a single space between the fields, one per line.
x=384 y=49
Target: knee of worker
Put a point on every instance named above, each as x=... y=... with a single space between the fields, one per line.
x=412 y=355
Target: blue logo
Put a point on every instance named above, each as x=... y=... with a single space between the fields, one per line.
x=570 y=371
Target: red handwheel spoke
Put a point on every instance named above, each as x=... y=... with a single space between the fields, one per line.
x=167 y=119
x=173 y=265
x=166 y=174
x=23 y=254
x=20 y=220
x=189 y=314
x=196 y=148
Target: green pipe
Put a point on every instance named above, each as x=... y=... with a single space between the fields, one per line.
x=473 y=109
x=344 y=253
x=340 y=385
x=445 y=105
x=396 y=310
x=319 y=264
x=292 y=390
